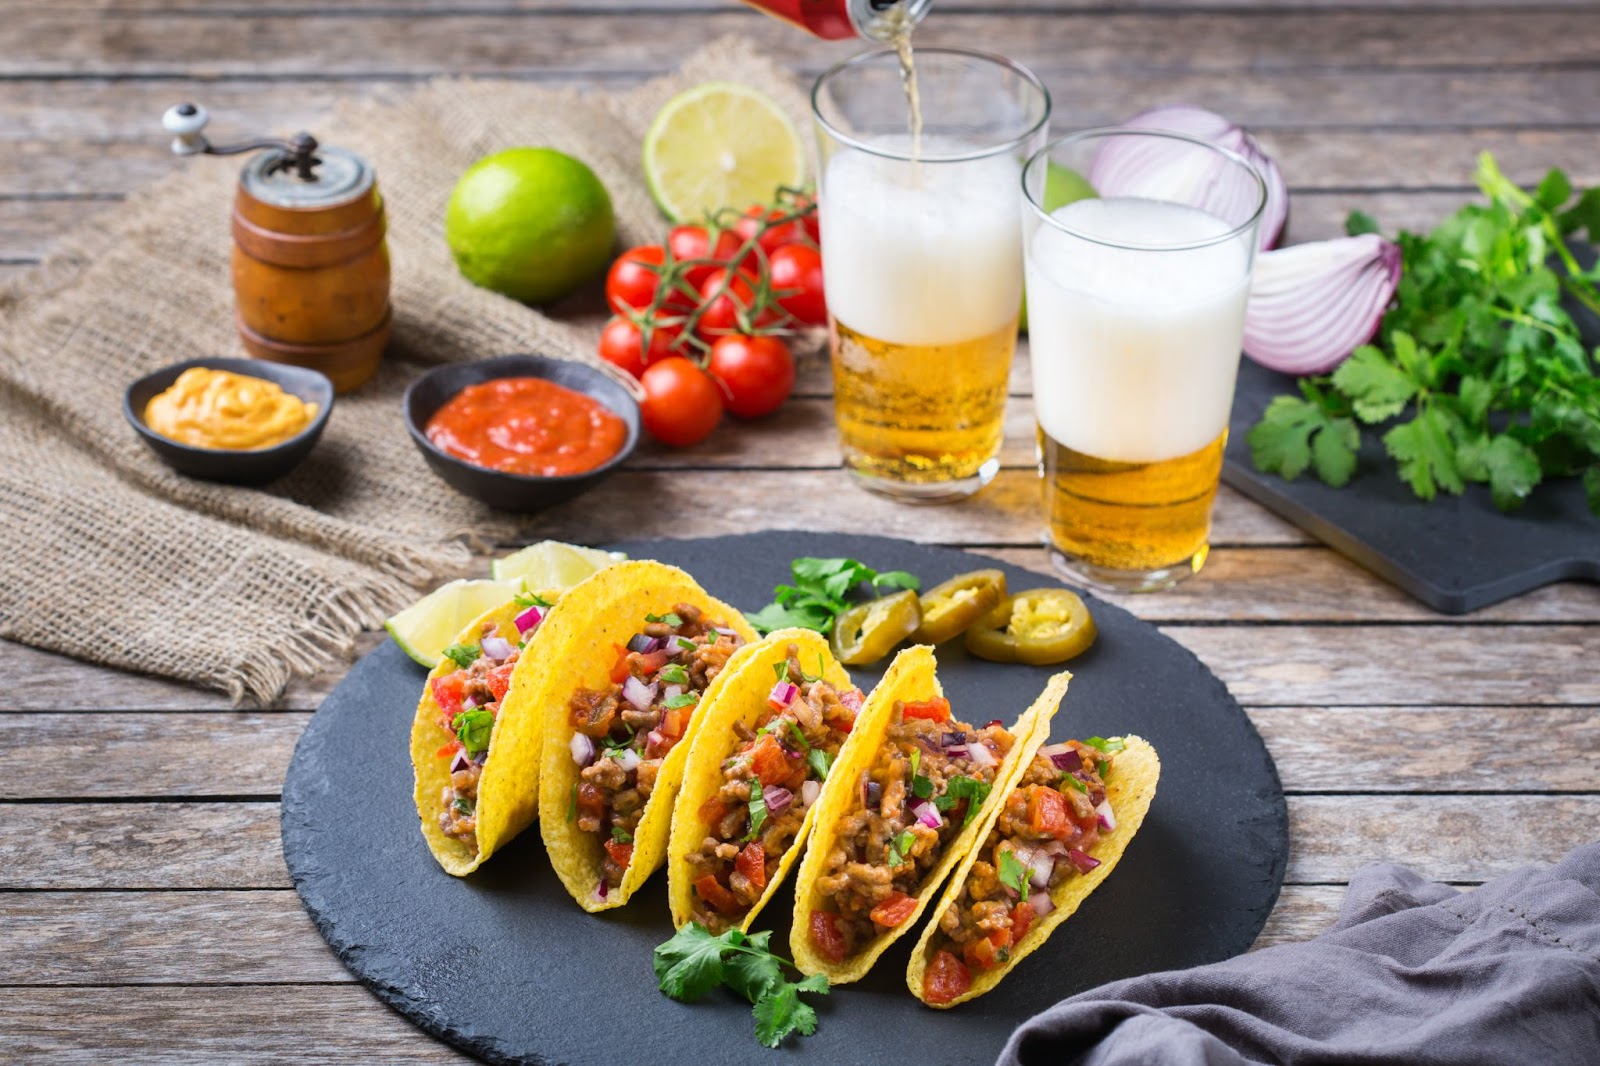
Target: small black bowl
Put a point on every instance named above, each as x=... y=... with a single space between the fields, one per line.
x=255 y=467
x=516 y=492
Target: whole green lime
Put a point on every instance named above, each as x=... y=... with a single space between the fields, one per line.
x=531 y=223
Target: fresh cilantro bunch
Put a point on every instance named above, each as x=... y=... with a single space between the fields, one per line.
x=694 y=962
x=821 y=592
x=1478 y=371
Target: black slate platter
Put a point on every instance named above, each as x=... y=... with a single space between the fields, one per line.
x=1457 y=553
x=504 y=965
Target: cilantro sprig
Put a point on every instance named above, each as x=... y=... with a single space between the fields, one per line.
x=1478 y=373
x=821 y=591
x=463 y=654
x=694 y=962
x=961 y=787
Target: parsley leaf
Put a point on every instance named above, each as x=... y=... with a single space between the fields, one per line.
x=775 y=616
x=782 y=1012
x=1378 y=388
x=694 y=962
x=690 y=964
x=896 y=579
x=682 y=699
x=821 y=591
x=473 y=728
x=464 y=654
x=753 y=973
x=1296 y=433
x=1012 y=872
x=758 y=808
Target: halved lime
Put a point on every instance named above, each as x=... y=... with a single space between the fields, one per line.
x=551 y=564
x=429 y=626
x=719 y=145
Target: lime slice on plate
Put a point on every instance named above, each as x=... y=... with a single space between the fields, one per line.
x=551 y=564
x=429 y=626
x=720 y=145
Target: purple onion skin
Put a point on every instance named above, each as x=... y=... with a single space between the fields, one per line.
x=1068 y=761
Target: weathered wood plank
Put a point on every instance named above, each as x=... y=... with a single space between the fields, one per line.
x=37 y=43
x=239 y=1025
x=1303 y=911
x=1367 y=665
x=633 y=9
x=66 y=846
x=94 y=755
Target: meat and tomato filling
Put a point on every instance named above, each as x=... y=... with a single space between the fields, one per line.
x=930 y=777
x=469 y=701
x=1046 y=834
x=769 y=783
x=624 y=732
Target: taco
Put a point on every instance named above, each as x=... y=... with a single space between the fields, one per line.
x=636 y=649
x=1059 y=833
x=474 y=743
x=753 y=779
x=904 y=803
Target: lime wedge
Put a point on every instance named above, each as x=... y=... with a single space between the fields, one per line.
x=550 y=564
x=720 y=145
x=429 y=626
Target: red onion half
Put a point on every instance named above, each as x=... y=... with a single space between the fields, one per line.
x=1127 y=166
x=1311 y=305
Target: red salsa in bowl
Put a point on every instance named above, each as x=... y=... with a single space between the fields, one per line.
x=528 y=426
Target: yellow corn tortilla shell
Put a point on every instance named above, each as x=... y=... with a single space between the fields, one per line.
x=750 y=677
x=508 y=790
x=910 y=677
x=1131 y=787
x=606 y=609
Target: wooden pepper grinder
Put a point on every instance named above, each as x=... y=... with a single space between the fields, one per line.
x=310 y=265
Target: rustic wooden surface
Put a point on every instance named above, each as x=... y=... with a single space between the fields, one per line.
x=147 y=908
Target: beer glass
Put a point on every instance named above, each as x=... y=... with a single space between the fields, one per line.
x=1136 y=308
x=922 y=260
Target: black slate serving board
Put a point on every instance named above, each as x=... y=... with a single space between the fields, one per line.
x=504 y=965
x=1455 y=554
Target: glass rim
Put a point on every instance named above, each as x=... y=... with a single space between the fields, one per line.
x=905 y=157
x=1043 y=156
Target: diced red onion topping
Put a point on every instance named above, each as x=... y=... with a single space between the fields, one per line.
x=529 y=619
x=655 y=740
x=1062 y=756
x=731 y=634
x=645 y=645
x=783 y=694
x=460 y=762
x=628 y=759
x=949 y=740
x=1108 y=820
x=1083 y=862
x=928 y=814
x=637 y=693
x=871 y=792
x=777 y=798
x=979 y=753
x=1168 y=170
x=1311 y=305
x=809 y=793
x=1040 y=863
x=851 y=699
x=957 y=751
x=497 y=647
x=1042 y=904
x=671 y=692
x=600 y=889
x=582 y=749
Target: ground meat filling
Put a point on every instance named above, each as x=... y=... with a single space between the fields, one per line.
x=785 y=757
x=469 y=701
x=930 y=774
x=631 y=726
x=1046 y=834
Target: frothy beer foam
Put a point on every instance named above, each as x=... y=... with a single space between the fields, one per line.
x=923 y=253
x=1135 y=351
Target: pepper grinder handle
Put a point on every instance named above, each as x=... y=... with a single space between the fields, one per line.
x=186 y=122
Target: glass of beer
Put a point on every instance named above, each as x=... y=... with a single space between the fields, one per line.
x=922 y=259
x=1135 y=314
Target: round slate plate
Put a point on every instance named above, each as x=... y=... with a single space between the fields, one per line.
x=504 y=965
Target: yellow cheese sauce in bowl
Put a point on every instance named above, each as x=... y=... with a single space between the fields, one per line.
x=235 y=420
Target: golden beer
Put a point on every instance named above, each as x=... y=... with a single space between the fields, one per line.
x=1151 y=518
x=921 y=415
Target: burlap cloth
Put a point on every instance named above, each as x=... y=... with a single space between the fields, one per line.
x=107 y=555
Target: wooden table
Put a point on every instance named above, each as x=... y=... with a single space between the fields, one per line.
x=146 y=908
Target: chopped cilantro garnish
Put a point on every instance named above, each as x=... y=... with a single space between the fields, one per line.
x=921 y=787
x=686 y=644
x=961 y=787
x=781 y=670
x=1074 y=782
x=473 y=728
x=682 y=699
x=799 y=737
x=822 y=668
x=621 y=835
x=694 y=962
x=531 y=599
x=899 y=845
x=820 y=762
x=464 y=805
x=1113 y=744
x=671 y=618
x=572 y=804
x=916 y=761
x=822 y=589
x=758 y=808
x=1101 y=767
x=674 y=674
x=1012 y=873
x=464 y=654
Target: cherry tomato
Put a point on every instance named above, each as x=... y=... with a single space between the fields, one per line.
x=947 y=978
x=895 y=909
x=768 y=761
x=811 y=223
x=500 y=680
x=694 y=242
x=1021 y=919
x=447 y=692
x=1047 y=813
x=825 y=935
x=799 y=267
x=752 y=863
x=713 y=811
x=776 y=236
x=622 y=345
x=621 y=854
x=632 y=280
x=936 y=709
x=682 y=405
x=720 y=899
x=756 y=373
x=720 y=316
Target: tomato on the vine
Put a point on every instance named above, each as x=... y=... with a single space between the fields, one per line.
x=799 y=267
x=694 y=242
x=775 y=236
x=720 y=310
x=682 y=405
x=811 y=223
x=756 y=373
x=632 y=281
x=622 y=345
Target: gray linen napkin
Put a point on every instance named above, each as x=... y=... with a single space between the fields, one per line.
x=1412 y=973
